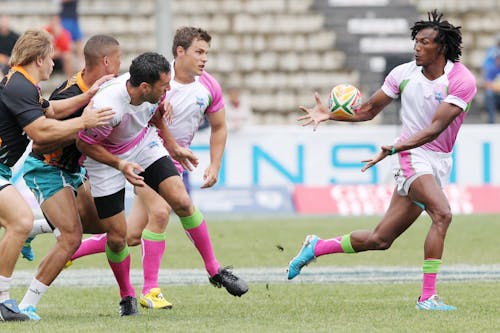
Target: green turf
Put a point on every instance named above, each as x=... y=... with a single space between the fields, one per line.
x=275 y=308
x=286 y=307
x=255 y=243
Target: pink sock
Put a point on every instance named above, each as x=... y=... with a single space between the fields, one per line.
x=327 y=246
x=201 y=239
x=121 y=270
x=152 y=253
x=91 y=245
x=428 y=286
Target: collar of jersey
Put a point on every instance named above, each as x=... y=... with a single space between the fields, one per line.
x=79 y=81
x=21 y=70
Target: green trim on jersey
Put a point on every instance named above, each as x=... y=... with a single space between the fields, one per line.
x=403 y=85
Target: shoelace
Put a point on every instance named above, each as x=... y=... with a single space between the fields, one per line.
x=126 y=307
x=225 y=272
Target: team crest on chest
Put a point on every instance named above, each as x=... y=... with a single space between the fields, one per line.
x=440 y=93
x=200 y=101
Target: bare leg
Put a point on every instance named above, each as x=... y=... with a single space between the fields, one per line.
x=17 y=223
x=426 y=190
x=400 y=215
x=62 y=211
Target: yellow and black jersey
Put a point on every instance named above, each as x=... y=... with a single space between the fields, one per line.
x=21 y=103
x=67 y=157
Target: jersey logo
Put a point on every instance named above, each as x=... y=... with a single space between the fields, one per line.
x=200 y=102
x=153 y=109
x=440 y=93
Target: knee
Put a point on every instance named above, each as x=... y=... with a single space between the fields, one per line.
x=72 y=239
x=183 y=206
x=74 y=243
x=116 y=244
x=116 y=239
x=22 y=224
x=133 y=240
x=442 y=218
x=160 y=214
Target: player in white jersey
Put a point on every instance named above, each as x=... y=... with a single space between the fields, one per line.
x=193 y=94
x=131 y=147
x=436 y=91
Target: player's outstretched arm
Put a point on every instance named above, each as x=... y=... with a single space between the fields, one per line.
x=444 y=116
x=63 y=108
x=367 y=111
x=47 y=131
x=314 y=115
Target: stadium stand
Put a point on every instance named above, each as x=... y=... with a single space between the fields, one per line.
x=281 y=51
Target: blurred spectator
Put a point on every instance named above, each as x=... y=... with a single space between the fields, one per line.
x=238 y=110
x=7 y=40
x=491 y=52
x=69 y=19
x=63 y=60
x=491 y=76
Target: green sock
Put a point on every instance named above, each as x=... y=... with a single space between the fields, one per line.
x=345 y=243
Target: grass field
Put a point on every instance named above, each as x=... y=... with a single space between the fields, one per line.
x=284 y=306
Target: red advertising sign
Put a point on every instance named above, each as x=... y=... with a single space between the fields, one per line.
x=374 y=199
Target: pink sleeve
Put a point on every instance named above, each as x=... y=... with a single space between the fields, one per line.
x=216 y=99
x=462 y=83
x=95 y=135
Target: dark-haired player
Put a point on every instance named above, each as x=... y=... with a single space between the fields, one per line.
x=436 y=91
x=129 y=149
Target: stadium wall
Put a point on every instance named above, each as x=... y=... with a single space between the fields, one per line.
x=273 y=169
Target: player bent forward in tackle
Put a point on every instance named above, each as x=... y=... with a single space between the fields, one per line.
x=131 y=150
x=436 y=91
x=194 y=93
x=21 y=116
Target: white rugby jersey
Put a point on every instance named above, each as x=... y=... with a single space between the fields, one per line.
x=130 y=122
x=421 y=97
x=190 y=102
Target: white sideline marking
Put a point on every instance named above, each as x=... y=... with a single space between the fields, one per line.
x=74 y=276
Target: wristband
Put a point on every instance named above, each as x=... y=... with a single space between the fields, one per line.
x=393 y=150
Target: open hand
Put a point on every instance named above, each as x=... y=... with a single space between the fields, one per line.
x=96 y=117
x=384 y=152
x=131 y=171
x=315 y=115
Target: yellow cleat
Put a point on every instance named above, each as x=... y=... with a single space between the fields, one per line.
x=154 y=300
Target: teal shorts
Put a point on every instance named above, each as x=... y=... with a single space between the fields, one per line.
x=5 y=175
x=45 y=180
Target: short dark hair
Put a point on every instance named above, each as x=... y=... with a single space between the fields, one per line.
x=97 y=47
x=449 y=36
x=148 y=67
x=184 y=37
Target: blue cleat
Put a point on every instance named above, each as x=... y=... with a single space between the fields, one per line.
x=434 y=303
x=305 y=256
x=30 y=311
x=27 y=250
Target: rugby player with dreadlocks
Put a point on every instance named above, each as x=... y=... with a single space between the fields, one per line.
x=436 y=91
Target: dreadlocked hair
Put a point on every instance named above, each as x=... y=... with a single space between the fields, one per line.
x=449 y=36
